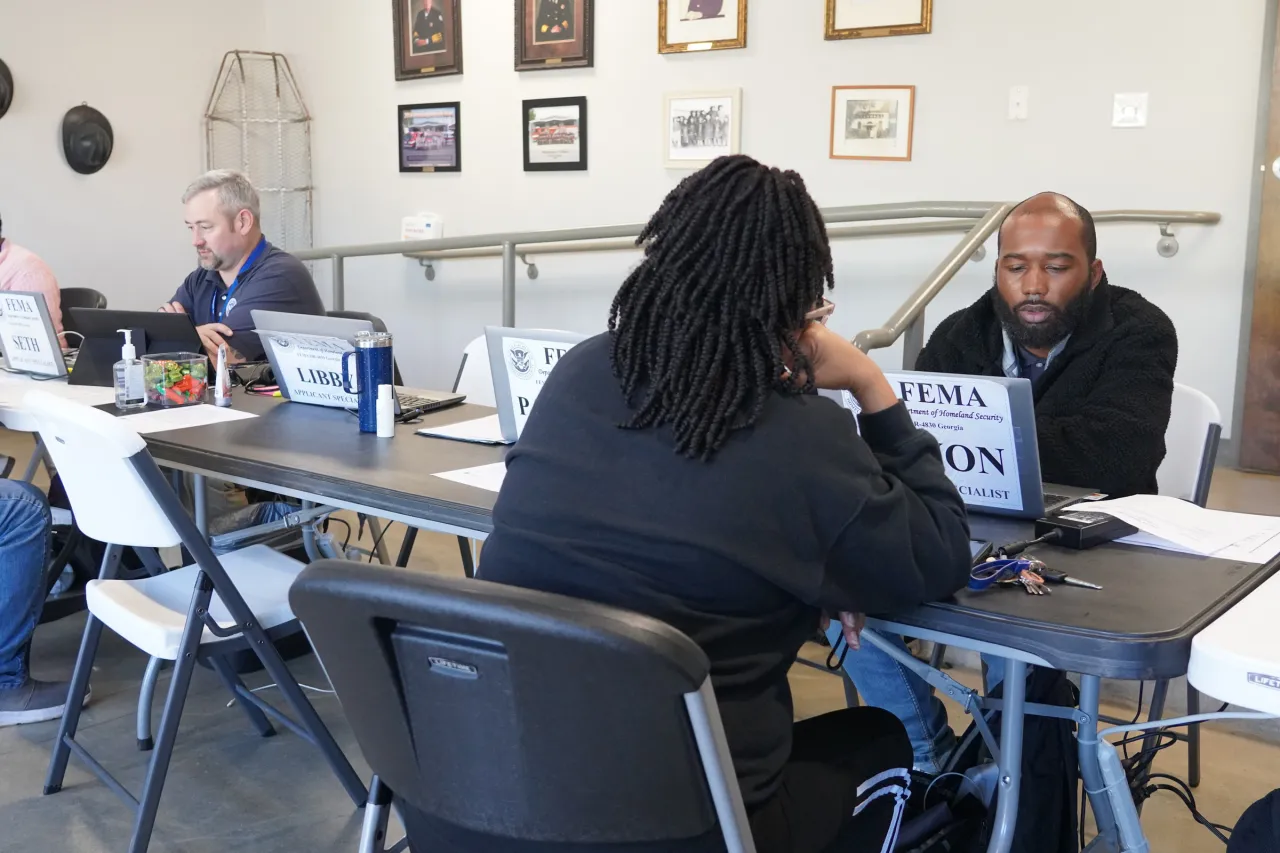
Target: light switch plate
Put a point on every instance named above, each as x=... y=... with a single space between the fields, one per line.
x=1018 y=99
x=1129 y=110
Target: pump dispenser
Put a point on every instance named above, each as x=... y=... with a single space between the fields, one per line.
x=130 y=389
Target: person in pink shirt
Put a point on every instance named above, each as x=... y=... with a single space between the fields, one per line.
x=23 y=270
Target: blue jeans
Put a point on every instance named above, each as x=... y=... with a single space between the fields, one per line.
x=882 y=682
x=24 y=545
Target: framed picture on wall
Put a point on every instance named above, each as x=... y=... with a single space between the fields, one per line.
x=428 y=38
x=872 y=122
x=858 y=19
x=555 y=135
x=554 y=34
x=430 y=137
x=701 y=126
x=691 y=25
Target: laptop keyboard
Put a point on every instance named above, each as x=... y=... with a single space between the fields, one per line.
x=1051 y=500
x=422 y=405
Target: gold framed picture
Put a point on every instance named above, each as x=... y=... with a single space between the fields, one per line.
x=859 y=19
x=686 y=26
x=872 y=122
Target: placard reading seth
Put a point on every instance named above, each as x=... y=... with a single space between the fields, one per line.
x=970 y=417
x=27 y=337
x=312 y=368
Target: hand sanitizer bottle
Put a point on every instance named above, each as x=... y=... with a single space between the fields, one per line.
x=131 y=390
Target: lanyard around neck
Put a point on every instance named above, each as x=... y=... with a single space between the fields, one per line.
x=216 y=315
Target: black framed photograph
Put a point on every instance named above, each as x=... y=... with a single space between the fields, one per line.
x=430 y=137
x=428 y=38
x=555 y=135
x=554 y=34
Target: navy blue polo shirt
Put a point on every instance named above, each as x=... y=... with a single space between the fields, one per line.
x=1030 y=365
x=276 y=281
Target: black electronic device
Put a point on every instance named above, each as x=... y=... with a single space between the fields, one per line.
x=1083 y=528
x=979 y=550
x=153 y=332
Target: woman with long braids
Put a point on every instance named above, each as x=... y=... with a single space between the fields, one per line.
x=682 y=465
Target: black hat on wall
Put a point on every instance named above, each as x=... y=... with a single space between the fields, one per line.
x=6 y=88
x=86 y=139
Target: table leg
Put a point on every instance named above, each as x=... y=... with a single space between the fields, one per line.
x=1012 y=720
x=1090 y=769
x=201 y=504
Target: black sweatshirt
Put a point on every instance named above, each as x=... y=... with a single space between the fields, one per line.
x=794 y=514
x=1102 y=405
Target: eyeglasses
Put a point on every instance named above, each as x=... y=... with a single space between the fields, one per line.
x=821 y=315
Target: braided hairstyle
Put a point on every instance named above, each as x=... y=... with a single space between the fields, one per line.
x=733 y=260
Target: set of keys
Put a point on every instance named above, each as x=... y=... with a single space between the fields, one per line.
x=1031 y=574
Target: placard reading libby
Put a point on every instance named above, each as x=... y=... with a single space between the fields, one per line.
x=971 y=419
x=528 y=364
x=27 y=335
x=312 y=367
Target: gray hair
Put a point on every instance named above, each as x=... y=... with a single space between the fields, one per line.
x=235 y=193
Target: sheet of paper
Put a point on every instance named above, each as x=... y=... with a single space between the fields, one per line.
x=1192 y=528
x=479 y=431
x=487 y=477
x=184 y=417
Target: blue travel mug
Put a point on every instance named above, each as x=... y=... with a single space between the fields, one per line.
x=373 y=368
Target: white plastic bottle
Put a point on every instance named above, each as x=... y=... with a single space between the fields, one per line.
x=131 y=392
x=386 y=411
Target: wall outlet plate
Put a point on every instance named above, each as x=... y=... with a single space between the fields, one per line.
x=1129 y=109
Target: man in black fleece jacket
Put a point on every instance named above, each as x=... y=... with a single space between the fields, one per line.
x=1100 y=357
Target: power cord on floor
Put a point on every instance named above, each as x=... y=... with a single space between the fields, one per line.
x=378 y=541
x=330 y=691
x=1138 y=772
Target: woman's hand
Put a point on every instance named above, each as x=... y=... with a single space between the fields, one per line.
x=838 y=365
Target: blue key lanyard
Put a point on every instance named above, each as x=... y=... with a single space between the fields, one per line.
x=986 y=575
x=216 y=316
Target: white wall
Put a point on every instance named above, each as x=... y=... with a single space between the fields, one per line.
x=148 y=65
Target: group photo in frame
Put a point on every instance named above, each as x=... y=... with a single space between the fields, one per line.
x=872 y=122
x=554 y=34
x=430 y=137
x=686 y=26
x=856 y=19
x=555 y=134
x=428 y=38
x=698 y=127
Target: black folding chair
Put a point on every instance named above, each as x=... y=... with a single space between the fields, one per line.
x=504 y=720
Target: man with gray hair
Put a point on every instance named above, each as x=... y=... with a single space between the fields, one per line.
x=239 y=270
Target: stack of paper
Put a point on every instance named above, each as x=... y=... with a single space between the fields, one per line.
x=1175 y=525
x=479 y=431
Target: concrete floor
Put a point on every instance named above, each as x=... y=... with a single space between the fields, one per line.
x=229 y=790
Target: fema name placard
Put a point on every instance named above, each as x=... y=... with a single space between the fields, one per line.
x=312 y=367
x=970 y=418
x=529 y=363
x=27 y=336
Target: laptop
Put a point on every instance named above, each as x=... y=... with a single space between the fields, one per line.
x=153 y=333
x=520 y=360
x=327 y=338
x=27 y=338
x=986 y=427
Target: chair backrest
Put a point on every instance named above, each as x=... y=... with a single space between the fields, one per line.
x=95 y=453
x=378 y=326
x=474 y=378
x=514 y=715
x=1191 y=446
x=81 y=297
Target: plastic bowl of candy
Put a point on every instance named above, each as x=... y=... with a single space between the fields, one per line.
x=175 y=378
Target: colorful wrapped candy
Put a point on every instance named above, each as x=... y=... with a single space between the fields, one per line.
x=175 y=379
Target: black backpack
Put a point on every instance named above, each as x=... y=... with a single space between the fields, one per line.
x=1047 y=804
x=1258 y=830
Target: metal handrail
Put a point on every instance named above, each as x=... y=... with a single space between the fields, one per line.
x=908 y=319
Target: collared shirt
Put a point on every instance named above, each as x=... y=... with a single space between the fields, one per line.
x=22 y=270
x=1019 y=362
x=277 y=281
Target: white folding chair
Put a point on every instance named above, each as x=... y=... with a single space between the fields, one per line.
x=1191 y=451
x=474 y=378
x=1191 y=446
x=203 y=611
